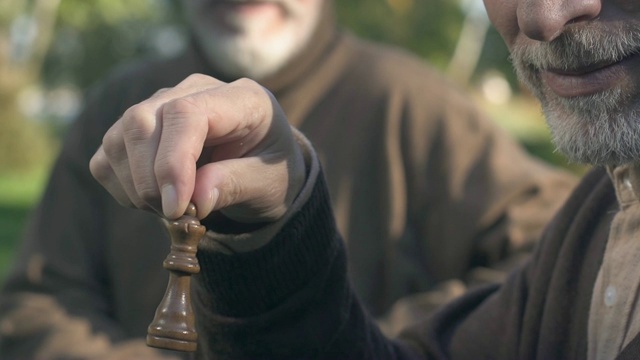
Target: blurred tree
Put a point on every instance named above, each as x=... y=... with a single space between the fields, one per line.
x=469 y=46
x=428 y=28
x=454 y=36
x=26 y=28
x=90 y=36
x=93 y=36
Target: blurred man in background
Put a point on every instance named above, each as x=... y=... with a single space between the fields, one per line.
x=428 y=193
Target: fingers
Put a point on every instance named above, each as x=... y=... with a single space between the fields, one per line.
x=134 y=156
x=182 y=139
x=104 y=174
x=112 y=164
x=142 y=127
x=258 y=187
x=231 y=120
x=238 y=186
x=235 y=132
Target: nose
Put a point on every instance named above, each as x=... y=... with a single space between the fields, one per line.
x=544 y=20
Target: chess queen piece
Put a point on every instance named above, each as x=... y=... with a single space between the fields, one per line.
x=173 y=326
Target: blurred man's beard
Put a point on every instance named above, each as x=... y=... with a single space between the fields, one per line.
x=601 y=128
x=250 y=52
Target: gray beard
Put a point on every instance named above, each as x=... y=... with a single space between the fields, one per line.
x=243 y=60
x=600 y=129
x=248 y=53
x=590 y=133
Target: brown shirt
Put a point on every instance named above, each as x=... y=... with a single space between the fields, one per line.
x=425 y=189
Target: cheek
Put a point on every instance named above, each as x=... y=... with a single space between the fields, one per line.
x=503 y=16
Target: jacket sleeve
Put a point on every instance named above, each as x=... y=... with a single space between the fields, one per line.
x=55 y=302
x=291 y=298
x=288 y=299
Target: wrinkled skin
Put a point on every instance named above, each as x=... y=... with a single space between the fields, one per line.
x=581 y=59
x=221 y=146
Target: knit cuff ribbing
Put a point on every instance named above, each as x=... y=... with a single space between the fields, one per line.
x=250 y=283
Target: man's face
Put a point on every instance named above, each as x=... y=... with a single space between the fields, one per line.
x=581 y=58
x=252 y=38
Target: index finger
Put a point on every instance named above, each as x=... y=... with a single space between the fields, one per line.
x=233 y=118
x=142 y=128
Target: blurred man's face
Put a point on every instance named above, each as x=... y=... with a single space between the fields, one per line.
x=581 y=58
x=253 y=38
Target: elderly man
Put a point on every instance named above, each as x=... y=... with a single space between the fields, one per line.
x=424 y=188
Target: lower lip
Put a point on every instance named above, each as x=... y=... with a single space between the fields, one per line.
x=565 y=85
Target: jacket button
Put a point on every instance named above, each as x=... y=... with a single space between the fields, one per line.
x=610 y=295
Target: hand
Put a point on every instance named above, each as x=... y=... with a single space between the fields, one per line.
x=221 y=146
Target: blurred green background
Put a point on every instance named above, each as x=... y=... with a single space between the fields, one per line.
x=52 y=50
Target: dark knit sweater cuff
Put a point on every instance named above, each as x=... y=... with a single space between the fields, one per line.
x=254 y=282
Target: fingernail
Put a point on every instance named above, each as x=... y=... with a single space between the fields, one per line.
x=213 y=199
x=169 y=200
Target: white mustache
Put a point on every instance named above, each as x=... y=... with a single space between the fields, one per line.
x=580 y=47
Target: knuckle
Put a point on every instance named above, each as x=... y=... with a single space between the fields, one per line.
x=180 y=106
x=256 y=92
x=243 y=81
x=136 y=115
x=99 y=168
x=256 y=97
x=196 y=78
x=184 y=114
x=247 y=82
x=139 y=121
x=133 y=114
x=160 y=92
x=252 y=87
x=112 y=143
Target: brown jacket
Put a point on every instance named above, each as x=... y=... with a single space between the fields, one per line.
x=424 y=187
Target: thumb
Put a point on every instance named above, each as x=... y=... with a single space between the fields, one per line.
x=248 y=190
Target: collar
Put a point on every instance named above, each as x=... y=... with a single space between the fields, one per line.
x=626 y=181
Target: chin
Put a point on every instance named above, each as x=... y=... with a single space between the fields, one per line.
x=254 y=56
x=599 y=132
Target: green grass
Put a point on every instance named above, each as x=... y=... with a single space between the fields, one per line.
x=18 y=194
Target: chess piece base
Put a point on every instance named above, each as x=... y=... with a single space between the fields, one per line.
x=173 y=344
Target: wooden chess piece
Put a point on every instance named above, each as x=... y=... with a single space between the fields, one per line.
x=173 y=326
